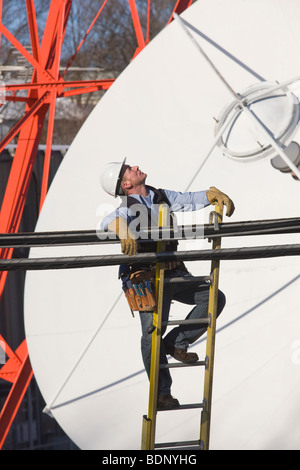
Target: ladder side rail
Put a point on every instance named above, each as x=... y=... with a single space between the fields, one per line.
x=210 y=341
x=149 y=421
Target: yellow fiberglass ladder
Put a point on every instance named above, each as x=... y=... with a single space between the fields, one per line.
x=149 y=420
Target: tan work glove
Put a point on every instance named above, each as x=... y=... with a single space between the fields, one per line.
x=128 y=243
x=214 y=196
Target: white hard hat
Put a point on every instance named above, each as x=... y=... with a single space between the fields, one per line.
x=110 y=178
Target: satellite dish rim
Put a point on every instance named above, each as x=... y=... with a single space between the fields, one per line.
x=248 y=97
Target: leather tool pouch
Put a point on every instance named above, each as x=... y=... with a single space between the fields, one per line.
x=140 y=291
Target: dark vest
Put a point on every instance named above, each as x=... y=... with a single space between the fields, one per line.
x=147 y=246
x=159 y=198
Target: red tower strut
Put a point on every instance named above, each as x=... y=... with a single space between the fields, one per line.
x=45 y=87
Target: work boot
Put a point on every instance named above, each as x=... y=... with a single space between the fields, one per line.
x=181 y=354
x=167 y=402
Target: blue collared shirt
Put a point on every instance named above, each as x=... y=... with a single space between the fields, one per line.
x=179 y=202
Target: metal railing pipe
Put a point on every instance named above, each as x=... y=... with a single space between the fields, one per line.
x=70 y=262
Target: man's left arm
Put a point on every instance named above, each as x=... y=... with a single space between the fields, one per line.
x=214 y=196
x=191 y=201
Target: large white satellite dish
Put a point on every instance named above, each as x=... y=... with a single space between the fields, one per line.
x=161 y=114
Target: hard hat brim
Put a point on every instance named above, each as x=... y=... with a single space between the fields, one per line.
x=118 y=190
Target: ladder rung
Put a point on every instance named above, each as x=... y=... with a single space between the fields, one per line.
x=183 y=364
x=192 y=280
x=189 y=406
x=187 y=322
x=185 y=444
x=196 y=447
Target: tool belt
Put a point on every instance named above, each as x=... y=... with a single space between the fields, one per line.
x=140 y=291
x=139 y=285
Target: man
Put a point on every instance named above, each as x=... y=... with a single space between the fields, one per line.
x=120 y=179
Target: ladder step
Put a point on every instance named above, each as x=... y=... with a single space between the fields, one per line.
x=187 y=280
x=188 y=406
x=183 y=364
x=195 y=321
x=183 y=444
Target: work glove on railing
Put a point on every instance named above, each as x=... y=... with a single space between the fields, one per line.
x=214 y=196
x=128 y=243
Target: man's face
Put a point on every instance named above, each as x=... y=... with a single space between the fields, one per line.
x=133 y=176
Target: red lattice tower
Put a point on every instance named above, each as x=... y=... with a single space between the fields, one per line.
x=45 y=87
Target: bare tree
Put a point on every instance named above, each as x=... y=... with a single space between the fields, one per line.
x=106 y=51
x=14 y=17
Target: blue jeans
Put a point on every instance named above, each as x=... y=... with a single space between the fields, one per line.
x=181 y=336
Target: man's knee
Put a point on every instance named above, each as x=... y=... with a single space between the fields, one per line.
x=146 y=322
x=221 y=302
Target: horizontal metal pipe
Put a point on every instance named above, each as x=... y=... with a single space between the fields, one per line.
x=84 y=237
x=149 y=258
